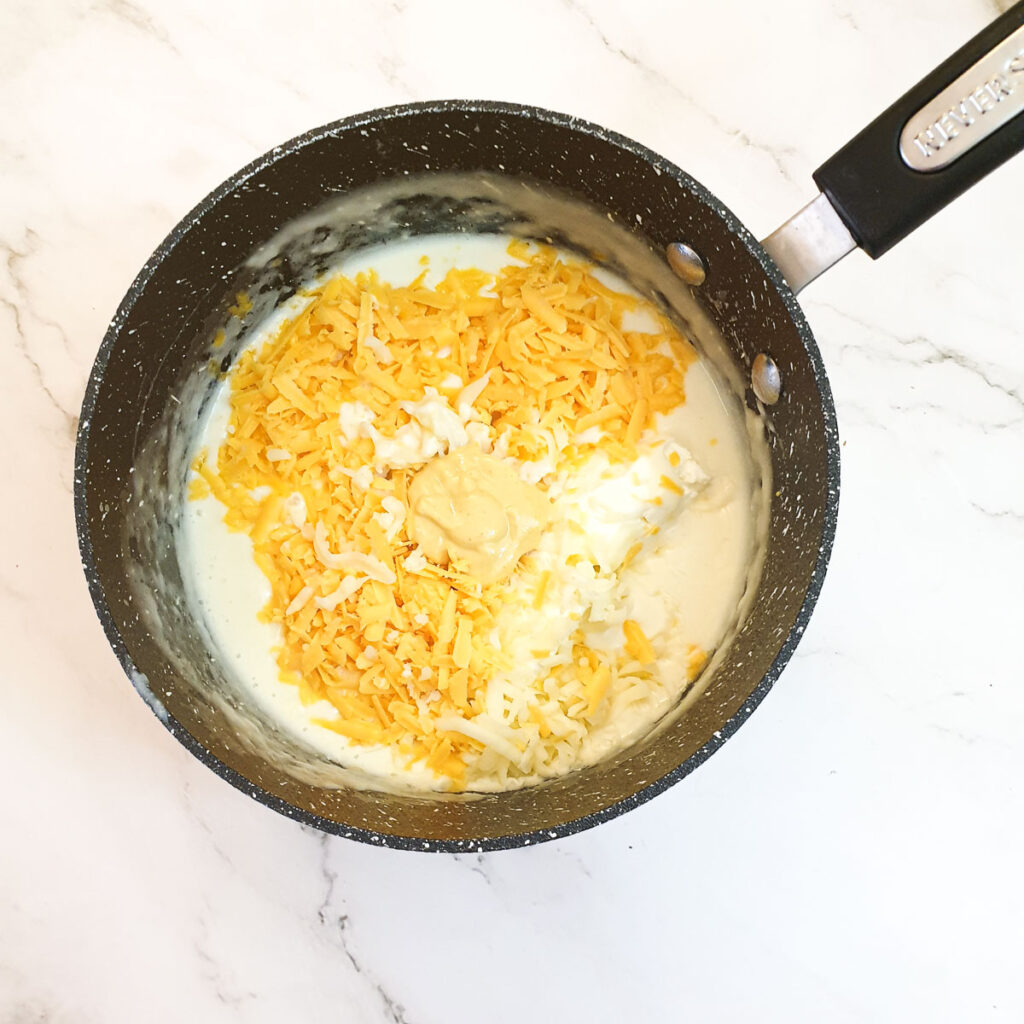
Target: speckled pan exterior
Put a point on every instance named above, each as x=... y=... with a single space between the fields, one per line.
x=151 y=381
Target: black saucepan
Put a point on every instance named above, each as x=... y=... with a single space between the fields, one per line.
x=494 y=167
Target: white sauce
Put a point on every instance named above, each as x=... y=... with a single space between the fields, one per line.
x=690 y=577
x=699 y=572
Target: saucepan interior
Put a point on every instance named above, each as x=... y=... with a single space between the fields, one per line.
x=378 y=178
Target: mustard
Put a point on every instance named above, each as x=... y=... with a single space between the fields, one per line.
x=473 y=509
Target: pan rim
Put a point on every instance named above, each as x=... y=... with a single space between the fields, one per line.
x=516 y=839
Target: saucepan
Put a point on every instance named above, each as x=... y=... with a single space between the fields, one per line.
x=460 y=166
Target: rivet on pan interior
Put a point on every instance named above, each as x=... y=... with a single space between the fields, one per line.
x=766 y=379
x=686 y=263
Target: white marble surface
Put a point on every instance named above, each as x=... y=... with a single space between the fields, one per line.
x=852 y=854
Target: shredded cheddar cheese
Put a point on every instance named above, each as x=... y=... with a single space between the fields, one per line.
x=637 y=644
x=326 y=435
x=241 y=306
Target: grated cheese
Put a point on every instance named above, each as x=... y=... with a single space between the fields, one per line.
x=329 y=421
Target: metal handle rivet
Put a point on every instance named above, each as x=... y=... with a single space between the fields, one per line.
x=765 y=379
x=686 y=263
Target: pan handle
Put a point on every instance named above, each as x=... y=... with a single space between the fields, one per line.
x=944 y=135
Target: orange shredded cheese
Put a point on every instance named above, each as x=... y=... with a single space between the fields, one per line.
x=393 y=644
x=596 y=688
x=637 y=644
x=632 y=553
x=542 y=586
x=696 y=659
x=242 y=306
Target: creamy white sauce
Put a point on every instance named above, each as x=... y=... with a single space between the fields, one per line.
x=688 y=580
x=698 y=574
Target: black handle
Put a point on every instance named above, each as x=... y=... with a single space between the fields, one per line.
x=878 y=194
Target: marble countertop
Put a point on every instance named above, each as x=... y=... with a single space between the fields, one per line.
x=852 y=854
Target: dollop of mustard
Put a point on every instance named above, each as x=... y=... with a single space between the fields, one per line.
x=472 y=508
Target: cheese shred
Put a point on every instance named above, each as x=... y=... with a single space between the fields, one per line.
x=404 y=650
